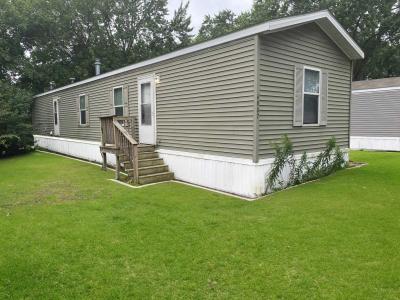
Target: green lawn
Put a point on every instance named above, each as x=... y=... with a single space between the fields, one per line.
x=68 y=232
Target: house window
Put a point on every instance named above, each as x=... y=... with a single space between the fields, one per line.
x=82 y=110
x=118 y=102
x=311 y=96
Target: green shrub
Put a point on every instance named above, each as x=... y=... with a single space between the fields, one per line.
x=15 y=119
x=11 y=144
x=328 y=161
x=283 y=155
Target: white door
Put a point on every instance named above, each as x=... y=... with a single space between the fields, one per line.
x=56 y=117
x=147 y=110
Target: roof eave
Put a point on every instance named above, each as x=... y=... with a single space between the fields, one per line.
x=346 y=43
x=357 y=52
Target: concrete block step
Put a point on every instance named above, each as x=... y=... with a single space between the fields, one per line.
x=158 y=177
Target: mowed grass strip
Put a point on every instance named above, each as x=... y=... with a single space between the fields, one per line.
x=68 y=232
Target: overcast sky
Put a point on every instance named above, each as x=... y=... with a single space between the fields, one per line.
x=199 y=8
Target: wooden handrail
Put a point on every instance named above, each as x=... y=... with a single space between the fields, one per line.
x=115 y=131
x=107 y=134
x=124 y=132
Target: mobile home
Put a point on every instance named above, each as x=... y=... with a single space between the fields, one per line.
x=208 y=114
x=375 y=114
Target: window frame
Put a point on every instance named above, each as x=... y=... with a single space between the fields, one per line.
x=80 y=111
x=315 y=94
x=122 y=96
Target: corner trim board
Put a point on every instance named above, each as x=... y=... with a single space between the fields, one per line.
x=256 y=97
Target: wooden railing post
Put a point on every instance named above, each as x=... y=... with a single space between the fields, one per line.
x=103 y=143
x=117 y=166
x=117 y=153
x=136 y=164
x=104 y=163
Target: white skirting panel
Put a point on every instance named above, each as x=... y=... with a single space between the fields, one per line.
x=375 y=143
x=233 y=175
x=87 y=150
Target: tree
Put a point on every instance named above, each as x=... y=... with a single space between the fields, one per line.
x=373 y=24
x=217 y=25
x=180 y=28
x=60 y=39
x=11 y=51
x=43 y=41
x=15 y=109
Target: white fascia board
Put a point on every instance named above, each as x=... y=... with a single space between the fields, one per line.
x=270 y=26
x=376 y=90
x=346 y=35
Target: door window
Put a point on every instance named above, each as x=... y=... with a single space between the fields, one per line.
x=145 y=96
x=55 y=113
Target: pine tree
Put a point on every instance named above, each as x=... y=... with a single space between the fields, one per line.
x=217 y=25
x=180 y=28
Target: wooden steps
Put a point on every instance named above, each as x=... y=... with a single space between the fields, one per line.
x=151 y=167
x=150 y=162
x=141 y=162
x=157 y=177
x=147 y=155
x=153 y=170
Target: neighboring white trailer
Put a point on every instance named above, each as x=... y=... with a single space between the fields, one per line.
x=375 y=115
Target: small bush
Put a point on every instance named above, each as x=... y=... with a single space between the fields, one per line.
x=11 y=144
x=327 y=162
x=283 y=156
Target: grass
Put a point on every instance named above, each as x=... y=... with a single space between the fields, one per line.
x=68 y=232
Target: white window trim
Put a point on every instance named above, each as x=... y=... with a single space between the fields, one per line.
x=122 y=94
x=315 y=94
x=80 y=110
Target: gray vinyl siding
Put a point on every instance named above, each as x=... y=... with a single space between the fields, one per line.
x=42 y=115
x=279 y=53
x=376 y=114
x=205 y=102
